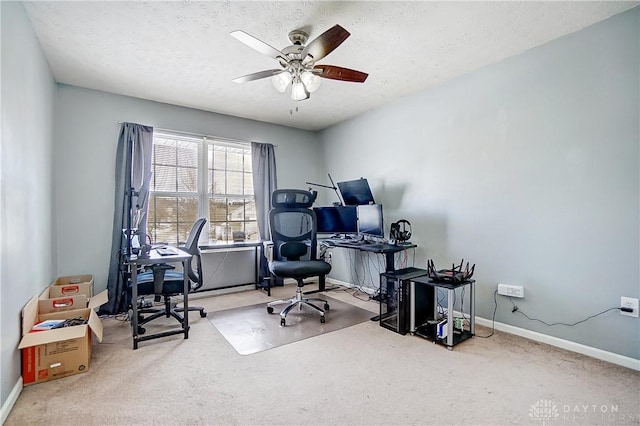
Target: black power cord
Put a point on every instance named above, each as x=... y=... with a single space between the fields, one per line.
x=70 y=322
x=493 y=318
x=516 y=309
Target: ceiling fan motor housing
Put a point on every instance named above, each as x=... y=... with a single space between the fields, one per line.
x=298 y=37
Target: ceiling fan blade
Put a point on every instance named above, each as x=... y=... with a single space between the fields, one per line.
x=258 y=45
x=343 y=74
x=324 y=44
x=257 y=75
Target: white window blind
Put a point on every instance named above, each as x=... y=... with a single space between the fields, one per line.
x=200 y=176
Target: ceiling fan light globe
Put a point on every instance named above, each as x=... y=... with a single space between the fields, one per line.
x=311 y=81
x=298 y=92
x=281 y=81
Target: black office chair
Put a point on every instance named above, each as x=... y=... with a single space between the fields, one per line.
x=164 y=283
x=293 y=252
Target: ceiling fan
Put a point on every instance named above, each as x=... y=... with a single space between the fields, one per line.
x=298 y=62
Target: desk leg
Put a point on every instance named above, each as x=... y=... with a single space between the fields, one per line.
x=321 y=286
x=390 y=262
x=256 y=267
x=134 y=304
x=185 y=324
x=257 y=264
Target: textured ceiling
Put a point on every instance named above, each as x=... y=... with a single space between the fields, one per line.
x=181 y=52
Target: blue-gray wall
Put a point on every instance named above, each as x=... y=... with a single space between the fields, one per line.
x=86 y=135
x=28 y=237
x=528 y=168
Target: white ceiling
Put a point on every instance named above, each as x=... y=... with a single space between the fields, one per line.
x=181 y=52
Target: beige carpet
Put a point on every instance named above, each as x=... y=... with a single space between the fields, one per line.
x=359 y=375
x=250 y=329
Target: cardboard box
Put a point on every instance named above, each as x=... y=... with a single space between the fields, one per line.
x=59 y=304
x=72 y=286
x=51 y=301
x=61 y=352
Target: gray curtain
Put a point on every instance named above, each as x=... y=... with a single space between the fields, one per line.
x=263 y=161
x=133 y=174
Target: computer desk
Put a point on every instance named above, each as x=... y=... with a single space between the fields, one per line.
x=389 y=251
x=134 y=261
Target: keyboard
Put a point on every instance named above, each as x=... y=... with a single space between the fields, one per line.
x=354 y=243
x=166 y=251
x=364 y=244
x=376 y=246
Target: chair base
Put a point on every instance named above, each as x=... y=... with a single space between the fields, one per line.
x=169 y=310
x=298 y=301
x=200 y=309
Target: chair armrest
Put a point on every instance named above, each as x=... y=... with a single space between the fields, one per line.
x=268 y=250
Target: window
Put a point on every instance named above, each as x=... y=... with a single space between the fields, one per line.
x=196 y=177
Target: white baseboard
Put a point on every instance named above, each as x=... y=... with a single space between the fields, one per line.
x=611 y=357
x=11 y=400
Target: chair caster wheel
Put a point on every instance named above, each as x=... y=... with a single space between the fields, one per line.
x=283 y=322
x=203 y=314
x=141 y=330
x=269 y=309
x=322 y=320
x=326 y=306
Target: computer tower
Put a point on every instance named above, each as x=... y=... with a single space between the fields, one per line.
x=395 y=299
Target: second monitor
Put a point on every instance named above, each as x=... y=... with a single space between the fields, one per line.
x=370 y=220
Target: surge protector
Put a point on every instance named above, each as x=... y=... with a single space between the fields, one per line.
x=145 y=303
x=511 y=290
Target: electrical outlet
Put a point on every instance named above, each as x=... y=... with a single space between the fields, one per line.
x=145 y=303
x=630 y=302
x=511 y=290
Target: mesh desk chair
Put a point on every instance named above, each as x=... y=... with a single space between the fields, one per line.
x=165 y=283
x=292 y=253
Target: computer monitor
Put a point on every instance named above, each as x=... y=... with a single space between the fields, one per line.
x=337 y=219
x=356 y=192
x=370 y=221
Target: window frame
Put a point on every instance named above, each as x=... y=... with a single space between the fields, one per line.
x=203 y=185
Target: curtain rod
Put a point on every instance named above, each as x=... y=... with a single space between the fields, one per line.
x=220 y=138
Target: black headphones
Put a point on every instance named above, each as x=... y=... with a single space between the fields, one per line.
x=400 y=231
